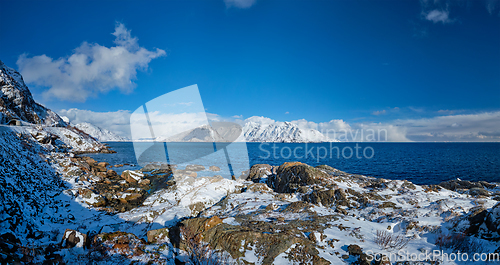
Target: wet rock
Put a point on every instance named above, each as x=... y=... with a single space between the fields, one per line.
x=158 y=235
x=72 y=238
x=214 y=168
x=259 y=171
x=195 y=168
x=291 y=175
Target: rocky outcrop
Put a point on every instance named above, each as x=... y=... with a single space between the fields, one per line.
x=292 y=175
x=16 y=101
x=457 y=185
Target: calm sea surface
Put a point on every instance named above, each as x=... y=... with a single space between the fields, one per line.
x=421 y=163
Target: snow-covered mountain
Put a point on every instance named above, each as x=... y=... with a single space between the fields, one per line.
x=285 y=132
x=252 y=131
x=100 y=134
x=16 y=101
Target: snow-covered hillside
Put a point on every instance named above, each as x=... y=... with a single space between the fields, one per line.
x=100 y=134
x=39 y=123
x=16 y=101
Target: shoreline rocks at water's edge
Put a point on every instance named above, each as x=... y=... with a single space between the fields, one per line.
x=294 y=212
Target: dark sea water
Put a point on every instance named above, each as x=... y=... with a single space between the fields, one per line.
x=421 y=163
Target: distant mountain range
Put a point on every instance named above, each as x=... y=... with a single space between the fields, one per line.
x=283 y=132
x=102 y=135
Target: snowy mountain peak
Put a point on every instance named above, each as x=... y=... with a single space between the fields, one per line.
x=270 y=131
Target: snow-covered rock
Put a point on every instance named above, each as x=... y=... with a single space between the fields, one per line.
x=100 y=134
x=16 y=101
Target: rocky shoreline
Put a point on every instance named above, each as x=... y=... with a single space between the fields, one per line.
x=292 y=213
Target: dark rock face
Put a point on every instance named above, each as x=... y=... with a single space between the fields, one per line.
x=291 y=175
x=457 y=184
x=484 y=223
x=16 y=101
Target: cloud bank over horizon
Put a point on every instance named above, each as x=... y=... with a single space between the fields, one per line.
x=480 y=127
x=91 y=69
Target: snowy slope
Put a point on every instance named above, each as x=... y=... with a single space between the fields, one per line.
x=16 y=101
x=100 y=134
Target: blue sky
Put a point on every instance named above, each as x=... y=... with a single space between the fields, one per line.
x=384 y=62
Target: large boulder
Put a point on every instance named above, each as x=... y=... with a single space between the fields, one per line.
x=291 y=175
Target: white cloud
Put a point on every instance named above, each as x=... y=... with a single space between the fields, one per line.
x=239 y=3
x=465 y=127
x=91 y=69
x=260 y=120
x=379 y=112
x=437 y=16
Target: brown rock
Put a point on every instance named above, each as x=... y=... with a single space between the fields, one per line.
x=73 y=238
x=292 y=175
x=103 y=164
x=158 y=235
x=214 y=168
x=354 y=250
